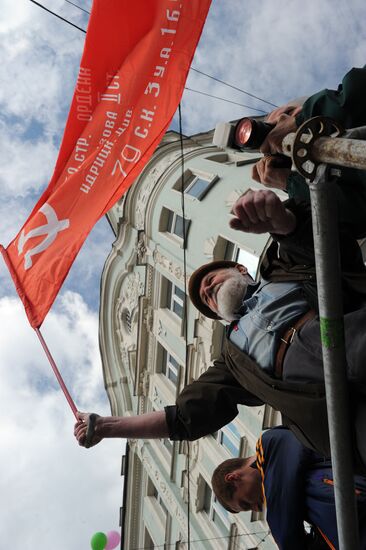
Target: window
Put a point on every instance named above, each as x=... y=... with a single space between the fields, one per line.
x=148 y=543
x=249 y=260
x=175 y=299
x=229 y=438
x=214 y=510
x=197 y=187
x=271 y=418
x=168 y=365
x=170 y=368
x=207 y=497
x=196 y=184
x=362 y=244
x=222 y=158
x=235 y=253
x=153 y=492
x=168 y=444
x=174 y=224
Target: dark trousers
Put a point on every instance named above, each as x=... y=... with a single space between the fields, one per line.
x=303 y=363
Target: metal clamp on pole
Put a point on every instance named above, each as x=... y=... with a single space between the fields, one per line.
x=307 y=157
x=314 y=143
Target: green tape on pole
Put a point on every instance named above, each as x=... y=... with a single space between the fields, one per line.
x=331 y=332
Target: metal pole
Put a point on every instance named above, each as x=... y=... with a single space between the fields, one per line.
x=326 y=246
x=338 y=151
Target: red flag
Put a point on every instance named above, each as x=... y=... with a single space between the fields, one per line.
x=132 y=74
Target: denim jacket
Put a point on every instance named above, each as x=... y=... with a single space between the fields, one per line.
x=266 y=314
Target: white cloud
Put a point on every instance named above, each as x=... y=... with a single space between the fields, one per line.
x=57 y=494
x=27 y=166
x=275 y=50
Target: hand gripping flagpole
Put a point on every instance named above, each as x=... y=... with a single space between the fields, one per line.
x=38 y=332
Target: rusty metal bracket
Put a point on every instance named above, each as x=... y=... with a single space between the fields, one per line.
x=306 y=135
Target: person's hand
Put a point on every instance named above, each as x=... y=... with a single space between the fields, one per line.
x=262 y=212
x=268 y=172
x=285 y=124
x=83 y=424
x=292 y=108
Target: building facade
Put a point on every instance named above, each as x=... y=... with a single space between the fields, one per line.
x=149 y=336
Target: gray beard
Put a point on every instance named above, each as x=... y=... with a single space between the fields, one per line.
x=231 y=295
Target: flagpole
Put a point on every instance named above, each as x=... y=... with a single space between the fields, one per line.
x=28 y=310
x=57 y=373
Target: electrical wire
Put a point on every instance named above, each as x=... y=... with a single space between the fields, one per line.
x=167 y=544
x=192 y=68
x=232 y=86
x=189 y=89
x=58 y=16
x=223 y=99
x=185 y=316
x=205 y=74
x=79 y=7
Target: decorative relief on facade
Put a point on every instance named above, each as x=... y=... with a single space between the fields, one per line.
x=127 y=313
x=118 y=207
x=132 y=288
x=156 y=399
x=124 y=354
x=161 y=329
x=144 y=383
x=133 y=444
x=168 y=265
x=141 y=247
x=194 y=453
x=208 y=247
x=232 y=198
x=178 y=273
x=169 y=499
x=147 y=185
x=148 y=317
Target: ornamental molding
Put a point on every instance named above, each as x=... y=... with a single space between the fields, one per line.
x=132 y=288
x=161 y=330
x=165 y=164
x=157 y=400
x=164 y=490
x=126 y=313
x=141 y=247
x=168 y=265
x=208 y=247
x=232 y=197
x=144 y=383
x=147 y=185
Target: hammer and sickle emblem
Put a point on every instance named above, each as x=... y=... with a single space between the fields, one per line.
x=50 y=230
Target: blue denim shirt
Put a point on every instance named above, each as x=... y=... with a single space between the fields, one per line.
x=267 y=311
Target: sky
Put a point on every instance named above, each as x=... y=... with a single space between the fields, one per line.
x=55 y=494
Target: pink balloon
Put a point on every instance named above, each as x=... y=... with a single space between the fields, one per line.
x=113 y=540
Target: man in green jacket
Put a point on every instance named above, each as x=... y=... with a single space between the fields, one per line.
x=347 y=106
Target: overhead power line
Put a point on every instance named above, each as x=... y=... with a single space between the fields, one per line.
x=239 y=535
x=223 y=99
x=58 y=16
x=192 y=68
x=76 y=6
x=186 y=88
x=234 y=87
